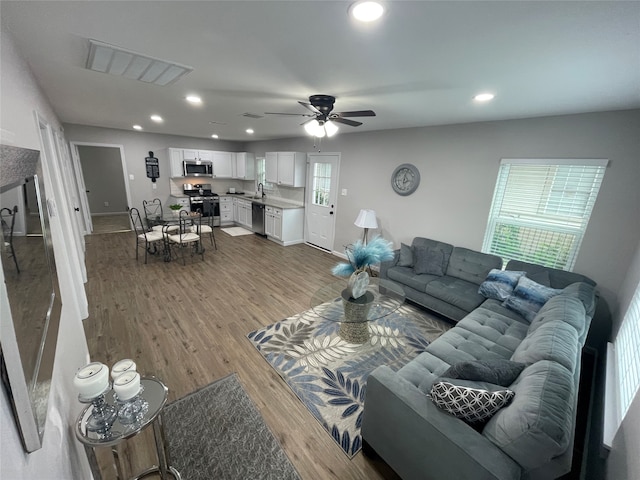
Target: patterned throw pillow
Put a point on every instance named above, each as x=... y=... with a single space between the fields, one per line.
x=528 y=297
x=473 y=405
x=406 y=256
x=499 y=284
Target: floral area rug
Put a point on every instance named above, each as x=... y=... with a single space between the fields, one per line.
x=329 y=375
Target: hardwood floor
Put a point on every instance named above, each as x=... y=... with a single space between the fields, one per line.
x=187 y=325
x=117 y=222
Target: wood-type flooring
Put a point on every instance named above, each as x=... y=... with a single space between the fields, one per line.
x=187 y=326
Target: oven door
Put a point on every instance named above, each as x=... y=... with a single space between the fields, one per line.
x=195 y=168
x=211 y=208
x=197 y=205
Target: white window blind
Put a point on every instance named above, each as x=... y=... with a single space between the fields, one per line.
x=627 y=348
x=541 y=209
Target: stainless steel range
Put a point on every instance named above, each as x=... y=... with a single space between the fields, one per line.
x=202 y=199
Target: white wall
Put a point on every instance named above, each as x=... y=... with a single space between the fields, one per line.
x=61 y=456
x=458 y=166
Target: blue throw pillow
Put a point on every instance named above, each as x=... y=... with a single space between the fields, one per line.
x=499 y=284
x=528 y=297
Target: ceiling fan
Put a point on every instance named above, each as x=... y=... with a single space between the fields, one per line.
x=322 y=120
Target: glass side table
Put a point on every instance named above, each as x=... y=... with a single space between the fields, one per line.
x=155 y=393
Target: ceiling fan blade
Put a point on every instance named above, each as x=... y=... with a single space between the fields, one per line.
x=346 y=121
x=356 y=113
x=308 y=106
x=290 y=114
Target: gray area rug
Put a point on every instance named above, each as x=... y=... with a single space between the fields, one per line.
x=218 y=433
x=329 y=375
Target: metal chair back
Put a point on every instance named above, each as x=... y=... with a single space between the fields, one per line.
x=152 y=212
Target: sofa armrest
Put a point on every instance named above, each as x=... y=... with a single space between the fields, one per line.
x=384 y=266
x=420 y=441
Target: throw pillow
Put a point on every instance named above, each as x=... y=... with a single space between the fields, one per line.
x=429 y=261
x=499 y=371
x=499 y=284
x=406 y=256
x=528 y=297
x=473 y=405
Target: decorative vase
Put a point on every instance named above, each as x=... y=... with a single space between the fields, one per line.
x=358 y=283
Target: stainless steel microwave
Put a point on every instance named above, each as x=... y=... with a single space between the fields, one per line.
x=197 y=168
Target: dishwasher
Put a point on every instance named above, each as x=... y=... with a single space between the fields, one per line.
x=257 y=218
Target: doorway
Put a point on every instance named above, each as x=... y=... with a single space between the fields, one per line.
x=322 y=194
x=103 y=175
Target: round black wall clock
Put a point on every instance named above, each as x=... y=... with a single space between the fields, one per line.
x=405 y=179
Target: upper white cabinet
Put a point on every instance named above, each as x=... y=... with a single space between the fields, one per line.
x=244 y=166
x=286 y=168
x=175 y=162
x=222 y=164
x=197 y=154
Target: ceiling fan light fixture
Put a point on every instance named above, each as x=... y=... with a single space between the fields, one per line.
x=484 y=97
x=366 y=11
x=331 y=128
x=312 y=127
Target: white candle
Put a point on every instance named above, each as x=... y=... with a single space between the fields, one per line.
x=126 y=365
x=92 y=380
x=127 y=385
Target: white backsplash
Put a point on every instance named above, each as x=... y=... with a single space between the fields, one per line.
x=221 y=186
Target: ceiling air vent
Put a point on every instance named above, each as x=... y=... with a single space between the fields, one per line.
x=107 y=58
x=252 y=115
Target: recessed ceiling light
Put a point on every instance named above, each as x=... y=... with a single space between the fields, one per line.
x=194 y=99
x=137 y=127
x=249 y=131
x=214 y=136
x=367 y=11
x=156 y=118
x=484 y=97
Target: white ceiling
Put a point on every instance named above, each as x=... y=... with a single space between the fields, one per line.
x=419 y=65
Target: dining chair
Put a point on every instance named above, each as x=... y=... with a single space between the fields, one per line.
x=8 y=220
x=206 y=227
x=154 y=215
x=149 y=239
x=185 y=237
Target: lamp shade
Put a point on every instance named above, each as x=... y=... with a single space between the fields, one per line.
x=366 y=219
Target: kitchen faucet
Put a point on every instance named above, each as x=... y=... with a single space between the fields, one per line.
x=261 y=189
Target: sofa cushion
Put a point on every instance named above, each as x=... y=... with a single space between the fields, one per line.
x=472 y=266
x=446 y=248
x=499 y=284
x=567 y=308
x=428 y=260
x=496 y=371
x=406 y=276
x=505 y=332
x=538 y=423
x=473 y=405
x=406 y=256
x=455 y=291
x=528 y=297
x=555 y=340
x=586 y=293
x=557 y=278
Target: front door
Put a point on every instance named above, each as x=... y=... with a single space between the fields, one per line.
x=322 y=186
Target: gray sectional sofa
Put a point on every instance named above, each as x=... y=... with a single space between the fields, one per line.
x=530 y=438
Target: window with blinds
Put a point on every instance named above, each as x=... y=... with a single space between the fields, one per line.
x=627 y=350
x=541 y=209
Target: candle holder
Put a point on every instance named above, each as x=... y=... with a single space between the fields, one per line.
x=102 y=415
x=133 y=410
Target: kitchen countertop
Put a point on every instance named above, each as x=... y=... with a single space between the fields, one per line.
x=269 y=201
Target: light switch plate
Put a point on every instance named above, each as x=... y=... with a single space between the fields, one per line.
x=344 y=192
x=131 y=177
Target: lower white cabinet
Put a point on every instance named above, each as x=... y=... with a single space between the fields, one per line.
x=226 y=211
x=284 y=225
x=244 y=213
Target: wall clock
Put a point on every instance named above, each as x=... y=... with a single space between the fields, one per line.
x=405 y=179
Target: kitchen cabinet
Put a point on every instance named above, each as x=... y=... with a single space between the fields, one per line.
x=244 y=166
x=286 y=168
x=222 y=164
x=197 y=155
x=175 y=162
x=284 y=225
x=244 y=213
x=226 y=211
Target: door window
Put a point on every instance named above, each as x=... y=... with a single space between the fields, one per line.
x=321 y=184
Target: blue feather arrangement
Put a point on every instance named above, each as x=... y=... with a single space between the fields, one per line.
x=361 y=256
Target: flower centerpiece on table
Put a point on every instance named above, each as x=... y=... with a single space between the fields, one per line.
x=175 y=207
x=361 y=256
